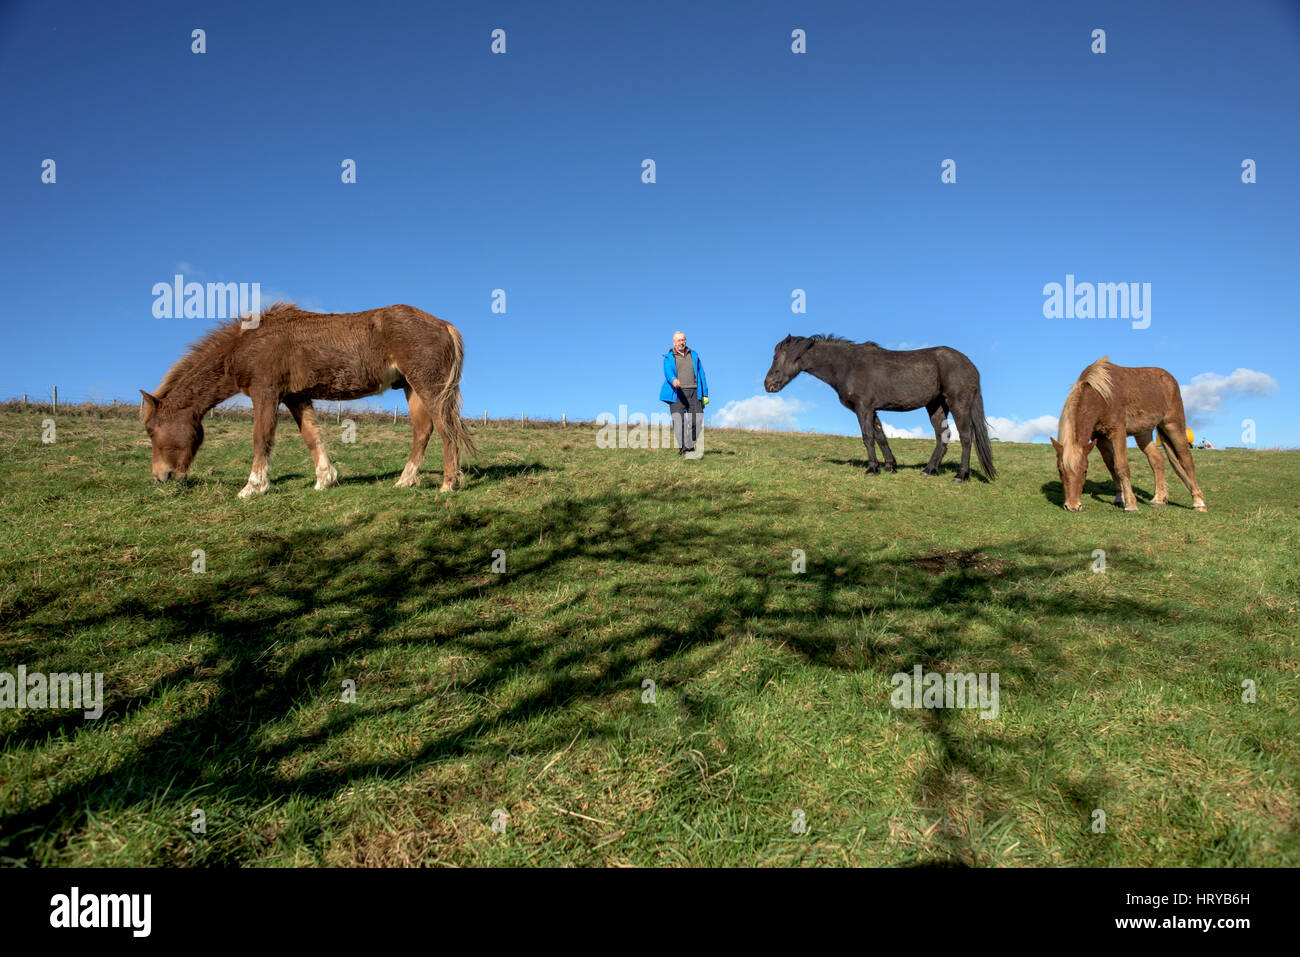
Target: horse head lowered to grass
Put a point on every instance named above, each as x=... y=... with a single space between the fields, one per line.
x=292 y=357
x=1105 y=406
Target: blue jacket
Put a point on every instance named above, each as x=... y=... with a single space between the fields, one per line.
x=667 y=393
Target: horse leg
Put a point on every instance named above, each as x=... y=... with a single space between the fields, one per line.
x=939 y=419
x=265 y=410
x=1123 y=482
x=1152 y=451
x=1108 y=456
x=961 y=415
x=421 y=429
x=879 y=431
x=868 y=438
x=1174 y=434
x=302 y=412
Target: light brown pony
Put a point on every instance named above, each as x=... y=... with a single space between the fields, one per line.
x=1108 y=404
x=290 y=356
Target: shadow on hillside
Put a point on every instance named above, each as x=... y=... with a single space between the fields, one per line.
x=948 y=467
x=1104 y=493
x=430 y=474
x=264 y=663
x=493 y=473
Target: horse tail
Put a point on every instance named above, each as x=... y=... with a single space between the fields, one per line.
x=446 y=408
x=980 y=431
x=1172 y=456
x=1172 y=435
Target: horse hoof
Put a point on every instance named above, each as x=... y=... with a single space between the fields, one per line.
x=890 y=467
x=1200 y=508
x=1154 y=504
x=328 y=479
x=872 y=470
x=410 y=477
x=960 y=479
x=1132 y=508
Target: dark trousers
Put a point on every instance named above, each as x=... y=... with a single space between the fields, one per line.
x=688 y=418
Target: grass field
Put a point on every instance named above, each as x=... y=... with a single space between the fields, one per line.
x=523 y=691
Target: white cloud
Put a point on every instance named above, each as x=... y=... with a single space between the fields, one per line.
x=1009 y=430
x=773 y=412
x=894 y=433
x=1003 y=429
x=1206 y=392
x=759 y=412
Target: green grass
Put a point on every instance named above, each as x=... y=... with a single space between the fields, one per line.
x=522 y=691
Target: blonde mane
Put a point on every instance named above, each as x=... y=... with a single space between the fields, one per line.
x=1097 y=376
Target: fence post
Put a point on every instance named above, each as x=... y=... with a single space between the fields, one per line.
x=56 y=400
x=394 y=415
x=24 y=401
x=564 y=420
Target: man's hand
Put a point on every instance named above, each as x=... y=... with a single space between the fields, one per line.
x=706 y=400
x=677 y=383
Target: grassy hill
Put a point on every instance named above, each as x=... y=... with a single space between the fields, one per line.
x=522 y=692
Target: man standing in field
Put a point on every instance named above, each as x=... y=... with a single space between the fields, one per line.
x=687 y=393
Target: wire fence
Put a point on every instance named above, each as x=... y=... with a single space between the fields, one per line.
x=97 y=402
x=56 y=401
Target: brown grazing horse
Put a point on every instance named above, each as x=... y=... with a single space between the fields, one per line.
x=1105 y=406
x=290 y=356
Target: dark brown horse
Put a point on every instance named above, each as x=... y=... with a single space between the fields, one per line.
x=867 y=378
x=1105 y=406
x=289 y=356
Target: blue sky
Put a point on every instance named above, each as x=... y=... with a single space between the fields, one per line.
x=775 y=171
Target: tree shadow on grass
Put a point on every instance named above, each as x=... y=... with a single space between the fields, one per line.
x=948 y=466
x=1104 y=494
x=280 y=632
x=428 y=476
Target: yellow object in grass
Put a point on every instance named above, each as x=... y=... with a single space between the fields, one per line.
x=1191 y=438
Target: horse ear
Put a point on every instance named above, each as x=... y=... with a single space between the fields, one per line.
x=1055 y=444
x=150 y=403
